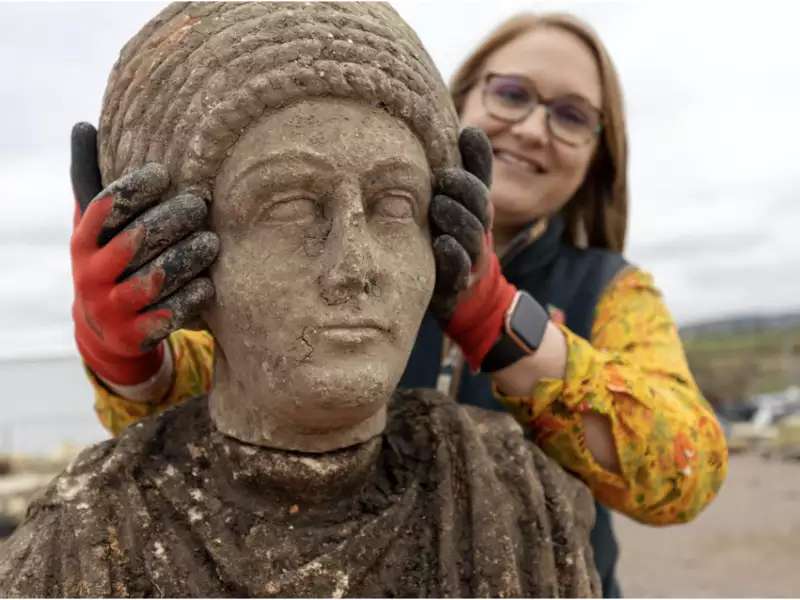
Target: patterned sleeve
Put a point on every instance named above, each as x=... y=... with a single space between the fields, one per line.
x=193 y=357
x=671 y=448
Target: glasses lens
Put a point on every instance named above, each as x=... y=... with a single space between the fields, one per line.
x=573 y=120
x=507 y=98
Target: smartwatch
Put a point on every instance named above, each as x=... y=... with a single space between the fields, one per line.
x=523 y=329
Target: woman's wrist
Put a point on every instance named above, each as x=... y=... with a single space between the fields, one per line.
x=549 y=361
x=478 y=319
x=152 y=390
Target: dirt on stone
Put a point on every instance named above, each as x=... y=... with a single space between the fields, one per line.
x=448 y=502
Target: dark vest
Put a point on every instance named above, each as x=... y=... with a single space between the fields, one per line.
x=557 y=275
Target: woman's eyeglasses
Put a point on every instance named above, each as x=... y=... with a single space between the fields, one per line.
x=571 y=119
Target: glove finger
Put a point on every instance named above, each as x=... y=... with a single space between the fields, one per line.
x=181 y=262
x=467 y=189
x=476 y=153
x=165 y=225
x=83 y=169
x=175 y=312
x=452 y=218
x=138 y=291
x=87 y=229
x=452 y=265
x=132 y=194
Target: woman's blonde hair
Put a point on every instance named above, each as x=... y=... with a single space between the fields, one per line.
x=597 y=214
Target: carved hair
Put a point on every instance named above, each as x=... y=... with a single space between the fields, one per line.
x=187 y=86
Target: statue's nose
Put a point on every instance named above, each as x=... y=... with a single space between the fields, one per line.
x=350 y=268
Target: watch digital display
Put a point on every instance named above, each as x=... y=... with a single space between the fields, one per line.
x=526 y=322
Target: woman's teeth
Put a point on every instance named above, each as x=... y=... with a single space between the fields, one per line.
x=516 y=161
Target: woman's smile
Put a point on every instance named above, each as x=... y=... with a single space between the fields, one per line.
x=518 y=161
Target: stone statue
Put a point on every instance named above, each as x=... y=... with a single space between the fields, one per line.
x=312 y=130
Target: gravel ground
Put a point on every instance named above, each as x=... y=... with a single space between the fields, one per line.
x=745 y=544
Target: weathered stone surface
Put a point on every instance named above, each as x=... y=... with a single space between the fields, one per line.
x=448 y=501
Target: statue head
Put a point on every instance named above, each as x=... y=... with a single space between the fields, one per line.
x=312 y=129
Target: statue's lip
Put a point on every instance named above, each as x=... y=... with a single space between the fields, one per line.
x=355 y=324
x=353 y=333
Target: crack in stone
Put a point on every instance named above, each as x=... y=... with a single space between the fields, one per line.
x=304 y=340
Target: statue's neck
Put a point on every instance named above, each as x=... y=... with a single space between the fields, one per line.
x=300 y=477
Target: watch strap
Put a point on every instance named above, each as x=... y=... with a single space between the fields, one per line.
x=524 y=327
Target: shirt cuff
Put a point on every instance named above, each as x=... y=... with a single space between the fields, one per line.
x=151 y=391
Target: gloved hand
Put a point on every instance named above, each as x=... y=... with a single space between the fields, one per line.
x=136 y=261
x=471 y=295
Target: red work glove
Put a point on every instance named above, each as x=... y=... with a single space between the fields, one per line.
x=135 y=264
x=471 y=295
x=478 y=319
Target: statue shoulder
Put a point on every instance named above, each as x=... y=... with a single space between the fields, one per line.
x=84 y=522
x=51 y=553
x=494 y=437
x=513 y=491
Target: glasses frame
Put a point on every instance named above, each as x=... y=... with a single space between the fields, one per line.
x=538 y=100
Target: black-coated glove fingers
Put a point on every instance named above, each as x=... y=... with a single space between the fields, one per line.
x=460 y=216
x=164 y=225
x=465 y=188
x=180 y=263
x=476 y=153
x=452 y=275
x=184 y=308
x=83 y=169
x=451 y=218
x=133 y=194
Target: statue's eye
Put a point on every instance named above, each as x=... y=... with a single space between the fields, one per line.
x=292 y=210
x=394 y=205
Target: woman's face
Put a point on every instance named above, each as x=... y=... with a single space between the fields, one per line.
x=534 y=173
x=325 y=268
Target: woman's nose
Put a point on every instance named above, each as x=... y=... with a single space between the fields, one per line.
x=349 y=266
x=533 y=130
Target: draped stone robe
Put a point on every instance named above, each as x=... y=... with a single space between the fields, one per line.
x=449 y=501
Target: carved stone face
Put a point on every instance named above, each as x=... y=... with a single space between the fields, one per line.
x=324 y=273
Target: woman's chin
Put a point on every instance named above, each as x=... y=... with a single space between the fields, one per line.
x=513 y=212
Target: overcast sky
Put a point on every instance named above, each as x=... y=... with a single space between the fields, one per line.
x=712 y=92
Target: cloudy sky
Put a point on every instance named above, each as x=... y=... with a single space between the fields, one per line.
x=712 y=92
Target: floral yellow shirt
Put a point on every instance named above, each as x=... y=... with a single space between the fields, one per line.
x=193 y=356
x=671 y=448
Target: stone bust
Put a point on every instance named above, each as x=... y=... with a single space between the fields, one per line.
x=312 y=129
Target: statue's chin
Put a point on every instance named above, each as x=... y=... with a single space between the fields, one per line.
x=310 y=408
x=333 y=396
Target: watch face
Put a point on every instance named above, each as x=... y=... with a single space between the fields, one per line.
x=528 y=322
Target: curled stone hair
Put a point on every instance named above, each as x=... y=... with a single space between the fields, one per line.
x=187 y=86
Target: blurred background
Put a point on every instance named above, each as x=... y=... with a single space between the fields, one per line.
x=712 y=91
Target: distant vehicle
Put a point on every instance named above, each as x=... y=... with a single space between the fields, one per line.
x=771 y=408
x=773 y=428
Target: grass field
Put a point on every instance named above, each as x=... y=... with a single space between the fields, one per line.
x=730 y=367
